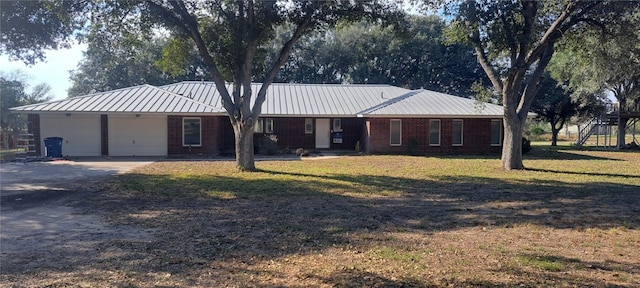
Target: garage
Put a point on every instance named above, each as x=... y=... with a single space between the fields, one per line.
x=80 y=132
x=137 y=135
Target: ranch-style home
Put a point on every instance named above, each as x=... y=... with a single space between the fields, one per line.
x=188 y=118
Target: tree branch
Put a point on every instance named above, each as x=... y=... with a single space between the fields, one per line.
x=189 y=25
x=481 y=55
x=283 y=56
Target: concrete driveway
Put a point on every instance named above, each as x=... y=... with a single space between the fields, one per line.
x=38 y=218
x=18 y=178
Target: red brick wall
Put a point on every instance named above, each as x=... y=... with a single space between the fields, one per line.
x=476 y=137
x=211 y=136
x=291 y=134
x=33 y=127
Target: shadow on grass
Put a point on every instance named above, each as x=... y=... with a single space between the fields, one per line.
x=224 y=219
x=536 y=266
x=583 y=173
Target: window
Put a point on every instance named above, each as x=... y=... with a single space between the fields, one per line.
x=337 y=125
x=496 y=132
x=308 y=126
x=395 y=129
x=191 y=132
x=434 y=132
x=456 y=132
x=269 y=126
x=258 y=127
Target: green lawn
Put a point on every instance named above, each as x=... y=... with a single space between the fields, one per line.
x=571 y=219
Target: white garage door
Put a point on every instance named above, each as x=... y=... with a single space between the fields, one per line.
x=137 y=136
x=80 y=133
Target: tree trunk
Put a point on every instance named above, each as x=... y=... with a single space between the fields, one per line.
x=512 y=144
x=244 y=147
x=554 y=136
x=622 y=129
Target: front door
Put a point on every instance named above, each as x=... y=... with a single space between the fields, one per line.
x=323 y=137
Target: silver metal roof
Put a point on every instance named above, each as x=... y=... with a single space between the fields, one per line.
x=137 y=99
x=299 y=99
x=425 y=103
x=283 y=99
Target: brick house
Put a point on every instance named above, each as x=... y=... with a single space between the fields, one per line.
x=188 y=118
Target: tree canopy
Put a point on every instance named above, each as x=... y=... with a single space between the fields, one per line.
x=16 y=91
x=514 y=42
x=29 y=28
x=370 y=54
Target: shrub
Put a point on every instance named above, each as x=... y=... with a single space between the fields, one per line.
x=537 y=131
x=269 y=145
x=526 y=145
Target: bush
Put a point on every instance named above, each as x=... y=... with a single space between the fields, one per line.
x=526 y=145
x=269 y=145
x=537 y=131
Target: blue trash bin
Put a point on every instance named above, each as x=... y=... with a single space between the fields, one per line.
x=53 y=146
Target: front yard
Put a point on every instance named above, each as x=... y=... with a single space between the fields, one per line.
x=572 y=219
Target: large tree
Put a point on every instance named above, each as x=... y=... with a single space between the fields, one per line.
x=226 y=33
x=514 y=41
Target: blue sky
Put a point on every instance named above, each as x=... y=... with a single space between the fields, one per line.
x=53 y=71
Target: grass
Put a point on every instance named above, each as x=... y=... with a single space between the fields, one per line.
x=571 y=219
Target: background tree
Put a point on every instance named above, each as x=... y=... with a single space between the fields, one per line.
x=14 y=90
x=120 y=58
x=604 y=59
x=514 y=39
x=556 y=104
x=371 y=54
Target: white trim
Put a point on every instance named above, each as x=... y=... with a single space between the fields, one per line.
x=391 y=133
x=199 y=132
x=439 y=132
x=461 y=132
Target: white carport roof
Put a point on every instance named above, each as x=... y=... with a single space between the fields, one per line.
x=425 y=103
x=137 y=99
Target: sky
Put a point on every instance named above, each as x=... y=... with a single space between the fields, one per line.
x=53 y=71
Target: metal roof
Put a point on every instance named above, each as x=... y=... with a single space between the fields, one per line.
x=283 y=99
x=137 y=99
x=425 y=103
x=299 y=99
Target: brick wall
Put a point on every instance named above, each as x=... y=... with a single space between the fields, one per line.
x=415 y=137
x=211 y=135
x=33 y=127
x=291 y=133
